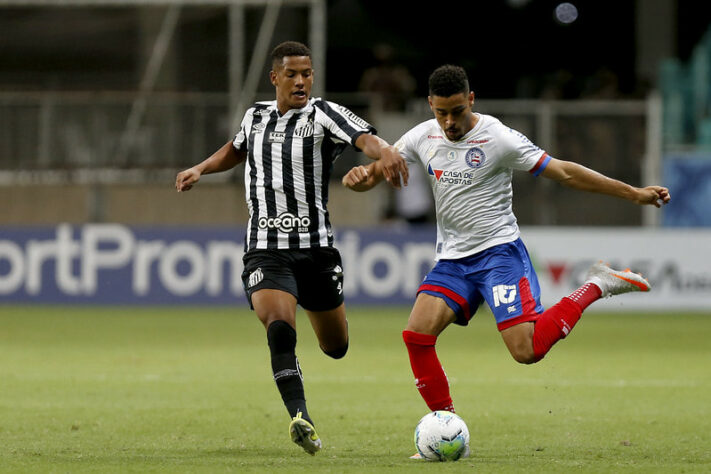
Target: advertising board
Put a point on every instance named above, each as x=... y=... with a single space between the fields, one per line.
x=117 y=264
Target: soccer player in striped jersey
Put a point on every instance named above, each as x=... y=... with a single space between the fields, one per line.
x=469 y=158
x=288 y=146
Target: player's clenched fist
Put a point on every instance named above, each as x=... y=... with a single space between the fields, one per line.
x=363 y=178
x=355 y=176
x=654 y=195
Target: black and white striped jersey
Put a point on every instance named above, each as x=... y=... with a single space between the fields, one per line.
x=289 y=162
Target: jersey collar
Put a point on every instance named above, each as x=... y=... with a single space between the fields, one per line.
x=305 y=109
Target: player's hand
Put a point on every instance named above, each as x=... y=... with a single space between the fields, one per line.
x=394 y=167
x=654 y=195
x=186 y=179
x=357 y=175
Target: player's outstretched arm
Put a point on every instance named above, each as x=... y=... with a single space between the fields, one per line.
x=578 y=176
x=222 y=160
x=393 y=164
x=363 y=178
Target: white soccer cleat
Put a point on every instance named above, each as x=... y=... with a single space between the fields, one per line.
x=615 y=282
x=304 y=434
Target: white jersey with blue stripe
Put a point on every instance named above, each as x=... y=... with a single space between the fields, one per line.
x=471 y=181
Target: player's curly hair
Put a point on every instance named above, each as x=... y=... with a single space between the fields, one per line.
x=448 y=80
x=289 y=48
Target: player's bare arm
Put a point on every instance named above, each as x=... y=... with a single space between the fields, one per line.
x=579 y=177
x=223 y=159
x=362 y=178
x=394 y=167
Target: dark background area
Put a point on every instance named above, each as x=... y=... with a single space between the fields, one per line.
x=508 y=51
x=511 y=48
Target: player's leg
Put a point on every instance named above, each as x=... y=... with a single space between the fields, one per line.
x=601 y=281
x=445 y=296
x=529 y=342
x=320 y=285
x=429 y=317
x=510 y=286
x=276 y=310
x=519 y=341
x=331 y=329
x=271 y=290
x=512 y=291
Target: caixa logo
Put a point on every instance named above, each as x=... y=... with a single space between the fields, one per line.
x=285 y=222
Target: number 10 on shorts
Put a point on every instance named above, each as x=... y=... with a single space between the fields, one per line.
x=503 y=294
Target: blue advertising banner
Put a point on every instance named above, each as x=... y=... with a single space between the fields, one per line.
x=116 y=264
x=689 y=181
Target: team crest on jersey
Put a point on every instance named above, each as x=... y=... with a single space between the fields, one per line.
x=475 y=157
x=305 y=129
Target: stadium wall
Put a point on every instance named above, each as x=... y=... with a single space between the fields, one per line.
x=119 y=264
x=216 y=204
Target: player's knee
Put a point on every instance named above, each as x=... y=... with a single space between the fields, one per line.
x=337 y=353
x=524 y=357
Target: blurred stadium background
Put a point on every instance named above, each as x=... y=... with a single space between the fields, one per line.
x=102 y=102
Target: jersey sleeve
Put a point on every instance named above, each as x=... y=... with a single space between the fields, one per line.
x=343 y=124
x=240 y=141
x=522 y=154
x=407 y=145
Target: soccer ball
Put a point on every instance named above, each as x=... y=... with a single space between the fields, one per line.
x=441 y=436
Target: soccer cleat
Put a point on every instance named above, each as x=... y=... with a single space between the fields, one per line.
x=615 y=282
x=304 y=434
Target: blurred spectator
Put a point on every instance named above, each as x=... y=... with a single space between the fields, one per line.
x=603 y=84
x=391 y=86
x=412 y=204
x=390 y=83
x=557 y=86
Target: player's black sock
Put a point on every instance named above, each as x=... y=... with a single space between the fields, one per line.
x=285 y=367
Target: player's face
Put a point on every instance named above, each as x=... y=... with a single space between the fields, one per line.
x=454 y=113
x=293 y=79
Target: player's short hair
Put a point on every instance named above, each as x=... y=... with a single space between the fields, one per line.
x=289 y=48
x=448 y=80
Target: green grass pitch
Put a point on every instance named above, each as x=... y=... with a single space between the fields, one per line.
x=96 y=389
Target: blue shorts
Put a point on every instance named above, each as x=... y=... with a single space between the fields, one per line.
x=502 y=275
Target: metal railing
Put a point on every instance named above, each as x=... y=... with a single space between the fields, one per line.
x=64 y=138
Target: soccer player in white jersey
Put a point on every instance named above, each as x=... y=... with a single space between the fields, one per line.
x=469 y=158
x=289 y=146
